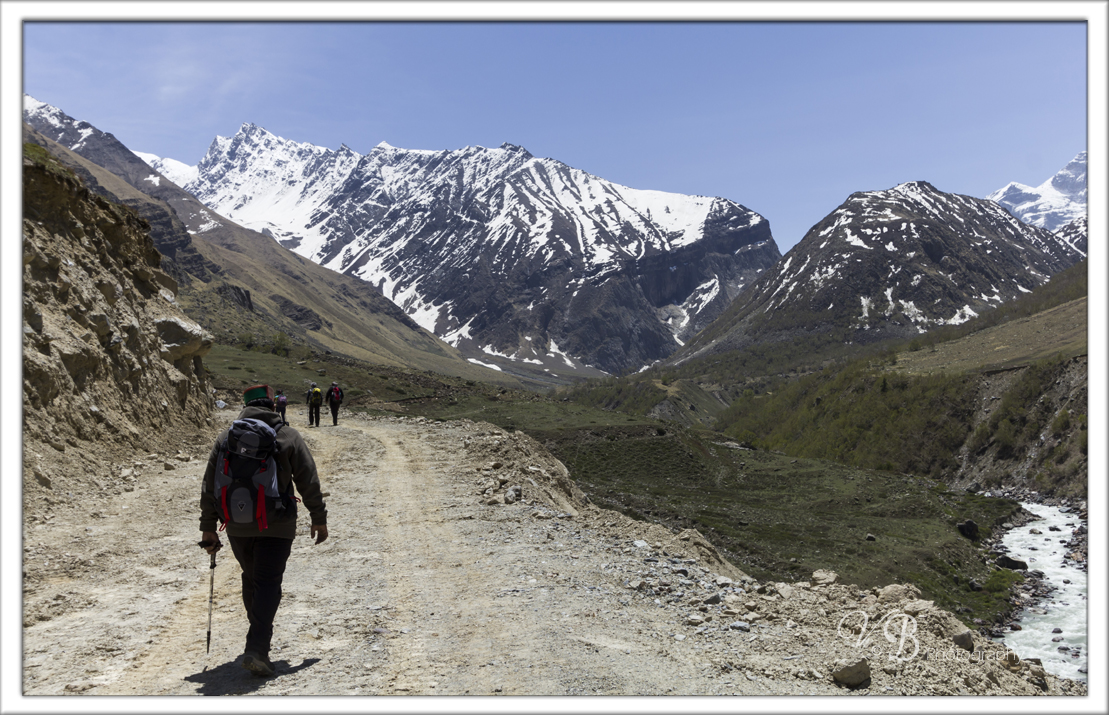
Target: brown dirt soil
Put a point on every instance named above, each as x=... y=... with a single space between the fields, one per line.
x=1061 y=329
x=429 y=585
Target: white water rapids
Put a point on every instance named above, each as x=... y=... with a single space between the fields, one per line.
x=1065 y=608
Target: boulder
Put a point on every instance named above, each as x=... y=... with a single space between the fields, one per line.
x=852 y=674
x=823 y=578
x=1007 y=562
x=964 y=640
x=182 y=338
x=897 y=592
x=968 y=529
x=917 y=606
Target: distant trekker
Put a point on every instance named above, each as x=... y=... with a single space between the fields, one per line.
x=280 y=404
x=334 y=399
x=248 y=487
x=314 y=398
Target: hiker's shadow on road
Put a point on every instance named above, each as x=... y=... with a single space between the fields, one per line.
x=232 y=679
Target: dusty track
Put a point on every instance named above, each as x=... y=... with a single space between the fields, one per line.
x=419 y=590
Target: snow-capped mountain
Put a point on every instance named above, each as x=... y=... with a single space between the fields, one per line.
x=502 y=254
x=57 y=125
x=105 y=150
x=892 y=263
x=1054 y=203
x=233 y=280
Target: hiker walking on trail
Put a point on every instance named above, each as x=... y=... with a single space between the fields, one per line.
x=248 y=487
x=334 y=399
x=314 y=399
x=280 y=404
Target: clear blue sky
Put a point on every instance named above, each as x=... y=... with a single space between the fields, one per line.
x=787 y=119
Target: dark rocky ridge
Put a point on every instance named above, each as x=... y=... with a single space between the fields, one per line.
x=1076 y=233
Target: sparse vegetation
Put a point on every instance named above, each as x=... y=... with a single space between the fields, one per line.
x=858 y=417
x=39 y=155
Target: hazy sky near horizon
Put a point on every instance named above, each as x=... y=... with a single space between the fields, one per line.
x=787 y=119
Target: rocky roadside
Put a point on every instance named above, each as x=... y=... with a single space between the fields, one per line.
x=816 y=631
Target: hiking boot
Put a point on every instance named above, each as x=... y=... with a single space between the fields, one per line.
x=259 y=665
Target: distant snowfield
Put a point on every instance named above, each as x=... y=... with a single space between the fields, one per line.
x=1054 y=203
x=176 y=171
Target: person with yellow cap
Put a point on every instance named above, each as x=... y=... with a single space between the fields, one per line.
x=314 y=399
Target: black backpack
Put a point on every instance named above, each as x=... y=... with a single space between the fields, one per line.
x=246 y=485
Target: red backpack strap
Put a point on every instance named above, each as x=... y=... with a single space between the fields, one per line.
x=223 y=503
x=260 y=510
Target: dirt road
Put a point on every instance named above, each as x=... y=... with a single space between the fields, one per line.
x=423 y=588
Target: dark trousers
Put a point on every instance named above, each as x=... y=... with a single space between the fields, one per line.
x=281 y=411
x=334 y=413
x=313 y=415
x=262 y=559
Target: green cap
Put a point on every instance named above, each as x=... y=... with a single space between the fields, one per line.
x=257 y=392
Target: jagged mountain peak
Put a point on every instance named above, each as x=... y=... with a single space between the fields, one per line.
x=496 y=250
x=1054 y=203
x=1071 y=180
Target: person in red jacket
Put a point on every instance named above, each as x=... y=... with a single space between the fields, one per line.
x=334 y=399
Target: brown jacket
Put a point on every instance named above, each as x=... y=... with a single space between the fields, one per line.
x=294 y=464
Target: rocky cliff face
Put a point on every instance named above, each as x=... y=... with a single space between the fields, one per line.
x=110 y=363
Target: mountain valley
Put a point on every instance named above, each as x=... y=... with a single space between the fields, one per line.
x=917 y=361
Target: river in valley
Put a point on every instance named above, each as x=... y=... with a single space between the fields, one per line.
x=1063 y=653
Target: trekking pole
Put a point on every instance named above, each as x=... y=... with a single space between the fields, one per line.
x=211 y=589
x=211 y=595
